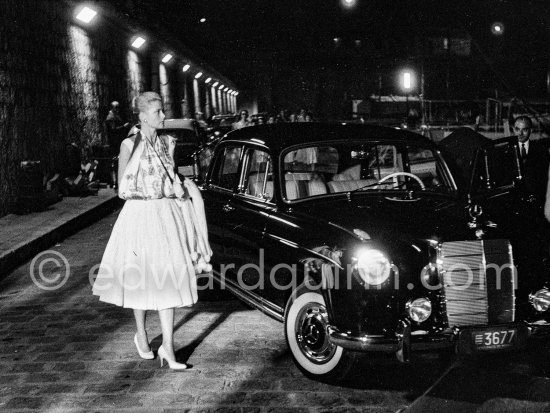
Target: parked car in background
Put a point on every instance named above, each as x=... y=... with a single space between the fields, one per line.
x=358 y=239
x=220 y=124
x=189 y=138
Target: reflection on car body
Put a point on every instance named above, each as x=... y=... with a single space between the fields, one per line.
x=359 y=238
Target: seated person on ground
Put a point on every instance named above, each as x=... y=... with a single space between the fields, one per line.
x=78 y=177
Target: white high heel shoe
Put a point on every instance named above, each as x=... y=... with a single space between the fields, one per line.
x=173 y=364
x=147 y=355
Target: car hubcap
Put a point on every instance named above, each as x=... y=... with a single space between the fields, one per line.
x=311 y=333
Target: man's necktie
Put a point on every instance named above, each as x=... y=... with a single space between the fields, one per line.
x=523 y=151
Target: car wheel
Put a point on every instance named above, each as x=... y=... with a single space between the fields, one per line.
x=306 y=322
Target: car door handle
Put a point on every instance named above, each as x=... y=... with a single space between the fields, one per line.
x=228 y=208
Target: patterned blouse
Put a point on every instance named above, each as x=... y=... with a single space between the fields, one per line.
x=146 y=175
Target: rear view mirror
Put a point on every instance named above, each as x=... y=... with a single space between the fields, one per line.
x=360 y=154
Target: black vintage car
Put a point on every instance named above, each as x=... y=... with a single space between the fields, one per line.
x=359 y=239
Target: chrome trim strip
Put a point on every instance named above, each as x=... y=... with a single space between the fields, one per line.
x=250 y=298
x=350 y=232
x=362 y=343
x=447 y=170
x=308 y=250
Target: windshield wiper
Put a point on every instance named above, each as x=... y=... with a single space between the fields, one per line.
x=395 y=186
x=363 y=187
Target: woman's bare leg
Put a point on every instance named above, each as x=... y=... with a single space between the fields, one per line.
x=167 y=325
x=140 y=316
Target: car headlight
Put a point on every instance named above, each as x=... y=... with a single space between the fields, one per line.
x=373 y=266
x=540 y=300
x=419 y=310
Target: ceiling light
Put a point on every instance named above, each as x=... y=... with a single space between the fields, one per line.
x=198 y=75
x=208 y=80
x=215 y=84
x=221 y=86
x=202 y=20
x=497 y=28
x=138 y=42
x=86 y=15
x=167 y=57
x=348 y=3
x=186 y=68
x=407 y=80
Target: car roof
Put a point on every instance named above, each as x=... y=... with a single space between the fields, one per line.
x=179 y=124
x=281 y=135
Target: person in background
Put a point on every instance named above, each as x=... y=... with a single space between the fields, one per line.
x=199 y=117
x=535 y=160
x=413 y=118
x=159 y=241
x=292 y=117
x=282 y=116
x=78 y=173
x=242 y=122
x=115 y=128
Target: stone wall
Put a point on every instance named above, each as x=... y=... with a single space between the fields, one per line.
x=56 y=82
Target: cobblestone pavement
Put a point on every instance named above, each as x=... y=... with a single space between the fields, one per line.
x=63 y=350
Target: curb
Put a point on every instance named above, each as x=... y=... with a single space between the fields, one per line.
x=24 y=251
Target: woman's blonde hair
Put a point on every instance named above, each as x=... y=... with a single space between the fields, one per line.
x=144 y=100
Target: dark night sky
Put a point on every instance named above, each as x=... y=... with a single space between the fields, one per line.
x=247 y=40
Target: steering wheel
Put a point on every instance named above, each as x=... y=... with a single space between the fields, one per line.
x=393 y=175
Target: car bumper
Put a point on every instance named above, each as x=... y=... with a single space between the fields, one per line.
x=462 y=339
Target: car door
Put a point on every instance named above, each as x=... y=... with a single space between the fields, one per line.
x=245 y=218
x=218 y=193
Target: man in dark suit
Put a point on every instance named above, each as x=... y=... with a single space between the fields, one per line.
x=532 y=243
x=115 y=128
x=535 y=160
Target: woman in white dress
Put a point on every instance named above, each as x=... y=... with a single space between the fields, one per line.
x=159 y=240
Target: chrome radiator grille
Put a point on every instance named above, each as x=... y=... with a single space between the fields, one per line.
x=478 y=280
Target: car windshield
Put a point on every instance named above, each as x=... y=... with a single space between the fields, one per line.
x=322 y=168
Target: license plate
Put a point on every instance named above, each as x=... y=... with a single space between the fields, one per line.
x=494 y=339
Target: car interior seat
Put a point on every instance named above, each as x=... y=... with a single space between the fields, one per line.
x=304 y=184
x=255 y=186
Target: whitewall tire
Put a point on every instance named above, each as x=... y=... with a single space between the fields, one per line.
x=306 y=322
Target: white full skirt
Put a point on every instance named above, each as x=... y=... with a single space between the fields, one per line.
x=147 y=263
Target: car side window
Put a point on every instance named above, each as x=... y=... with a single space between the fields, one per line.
x=226 y=171
x=259 y=175
x=204 y=158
